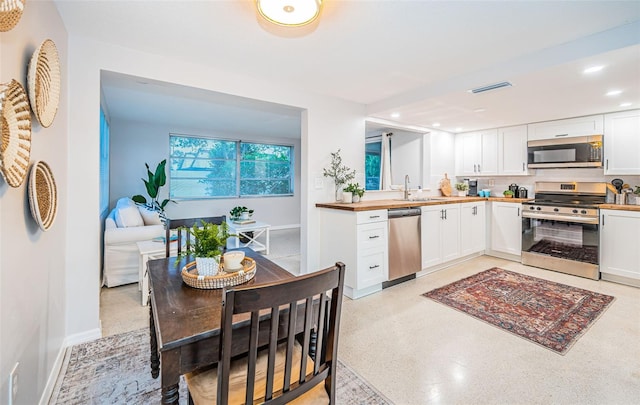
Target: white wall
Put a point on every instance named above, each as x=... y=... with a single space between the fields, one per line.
x=135 y=143
x=32 y=280
x=406 y=158
x=327 y=124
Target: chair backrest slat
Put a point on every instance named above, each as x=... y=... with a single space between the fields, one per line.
x=178 y=225
x=303 y=297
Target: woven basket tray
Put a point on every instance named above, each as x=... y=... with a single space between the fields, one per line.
x=222 y=279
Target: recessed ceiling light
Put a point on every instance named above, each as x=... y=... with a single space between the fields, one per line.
x=458 y=129
x=436 y=124
x=593 y=69
x=395 y=115
x=625 y=105
x=614 y=92
x=479 y=110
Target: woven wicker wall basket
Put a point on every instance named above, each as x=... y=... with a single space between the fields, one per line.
x=15 y=127
x=43 y=195
x=10 y=13
x=43 y=77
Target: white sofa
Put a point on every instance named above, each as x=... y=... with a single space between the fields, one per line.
x=127 y=224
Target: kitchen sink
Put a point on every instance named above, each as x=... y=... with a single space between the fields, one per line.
x=419 y=199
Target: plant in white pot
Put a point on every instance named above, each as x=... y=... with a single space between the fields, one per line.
x=208 y=242
x=356 y=191
x=462 y=189
x=153 y=184
x=240 y=212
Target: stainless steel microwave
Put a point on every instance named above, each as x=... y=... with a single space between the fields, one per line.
x=579 y=151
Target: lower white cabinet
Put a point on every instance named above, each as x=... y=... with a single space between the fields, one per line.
x=440 y=234
x=360 y=241
x=472 y=227
x=506 y=227
x=620 y=246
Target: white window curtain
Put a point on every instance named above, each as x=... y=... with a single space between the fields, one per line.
x=385 y=162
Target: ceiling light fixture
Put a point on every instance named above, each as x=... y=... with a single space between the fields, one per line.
x=625 y=105
x=614 y=92
x=593 y=69
x=289 y=13
x=395 y=115
x=436 y=124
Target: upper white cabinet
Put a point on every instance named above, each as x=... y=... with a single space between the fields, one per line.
x=512 y=151
x=581 y=126
x=622 y=143
x=477 y=153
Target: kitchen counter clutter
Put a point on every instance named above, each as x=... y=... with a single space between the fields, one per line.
x=386 y=204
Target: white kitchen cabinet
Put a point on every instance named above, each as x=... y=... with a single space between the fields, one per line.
x=622 y=143
x=440 y=234
x=620 y=246
x=512 y=151
x=506 y=227
x=477 y=153
x=360 y=241
x=472 y=227
x=580 y=126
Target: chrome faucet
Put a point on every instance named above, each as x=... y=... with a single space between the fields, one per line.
x=406 y=187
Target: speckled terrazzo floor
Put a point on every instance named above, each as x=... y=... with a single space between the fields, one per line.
x=416 y=351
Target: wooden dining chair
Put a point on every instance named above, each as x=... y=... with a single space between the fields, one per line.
x=277 y=366
x=179 y=225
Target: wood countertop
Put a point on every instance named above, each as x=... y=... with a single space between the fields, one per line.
x=386 y=204
x=620 y=207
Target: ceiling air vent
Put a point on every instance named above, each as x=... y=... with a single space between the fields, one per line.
x=490 y=87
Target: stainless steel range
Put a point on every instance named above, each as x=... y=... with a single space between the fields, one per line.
x=561 y=227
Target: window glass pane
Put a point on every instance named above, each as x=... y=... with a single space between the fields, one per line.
x=104 y=162
x=204 y=167
x=372 y=165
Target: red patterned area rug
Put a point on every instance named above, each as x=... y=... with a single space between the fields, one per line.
x=550 y=314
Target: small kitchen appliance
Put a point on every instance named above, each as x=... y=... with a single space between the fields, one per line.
x=561 y=227
x=473 y=188
x=514 y=187
x=522 y=193
x=563 y=151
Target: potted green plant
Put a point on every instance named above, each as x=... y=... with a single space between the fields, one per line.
x=356 y=191
x=340 y=173
x=462 y=189
x=240 y=212
x=153 y=184
x=507 y=193
x=208 y=242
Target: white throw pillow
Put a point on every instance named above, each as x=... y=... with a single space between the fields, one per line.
x=127 y=214
x=149 y=217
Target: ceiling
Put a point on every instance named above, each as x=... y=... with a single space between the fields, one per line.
x=417 y=59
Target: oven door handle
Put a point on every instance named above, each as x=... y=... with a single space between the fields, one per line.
x=564 y=218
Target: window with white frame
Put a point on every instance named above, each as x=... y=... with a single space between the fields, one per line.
x=220 y=168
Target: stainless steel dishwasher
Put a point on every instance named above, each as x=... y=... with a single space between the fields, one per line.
x=405 y=247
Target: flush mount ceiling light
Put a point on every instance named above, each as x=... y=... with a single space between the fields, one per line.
x=289 y=13
x=614 y=93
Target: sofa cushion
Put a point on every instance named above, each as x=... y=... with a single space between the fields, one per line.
x=127 y=214
x=149 y=217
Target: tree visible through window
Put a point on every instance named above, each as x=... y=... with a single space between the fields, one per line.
x=211 y=168
x=372 y=165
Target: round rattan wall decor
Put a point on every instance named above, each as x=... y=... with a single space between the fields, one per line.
x=43 y=77
x=43 y=195
x=10 y=13
x=15 y=127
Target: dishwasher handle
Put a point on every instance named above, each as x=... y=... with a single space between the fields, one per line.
x=404 y=212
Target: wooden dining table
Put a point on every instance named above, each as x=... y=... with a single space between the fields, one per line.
x=185 y=321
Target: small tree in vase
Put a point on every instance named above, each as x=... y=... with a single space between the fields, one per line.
x=340 y=173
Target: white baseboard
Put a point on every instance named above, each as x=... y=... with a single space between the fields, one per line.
x=53 y=376
x=57 y=364
x=279 y=227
